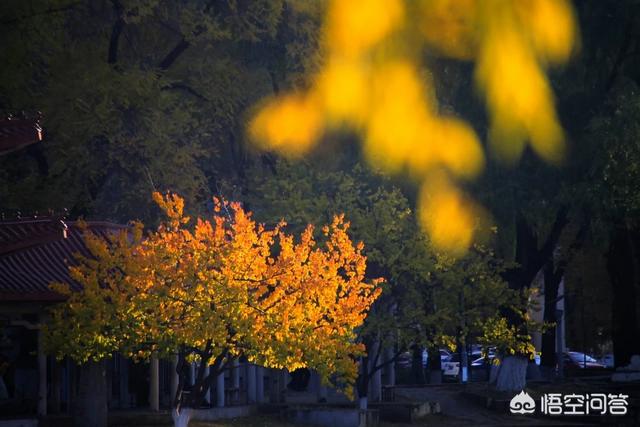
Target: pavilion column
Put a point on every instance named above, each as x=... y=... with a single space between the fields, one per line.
x=124 y=382
x=259 y=384
x=390 y=367
x=316 y=386
x=274 y=385
x=67 y=378
x=56 y=387
x=42 y=376
x=109 y=370
x=154 y=383
x=278 y=379
x=251 y=382
x=375 y=383
x=209 y=394
x=235 y=374
x=173 y=375
x=220 y=390
x=375 y=393
x=284 y=381
x=322 y=391
x=235 y=381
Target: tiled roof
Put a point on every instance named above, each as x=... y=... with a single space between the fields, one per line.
x=17 y=133
x=37 y=252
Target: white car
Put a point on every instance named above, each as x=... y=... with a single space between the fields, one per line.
x=607 y=360
x=451 y=366
x=444 y=355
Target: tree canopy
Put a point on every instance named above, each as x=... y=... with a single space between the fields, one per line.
x=222 y=288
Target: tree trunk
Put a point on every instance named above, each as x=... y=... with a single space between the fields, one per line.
x=90 y=409
x=182 y=418
x=417 y=369
x=434 y=366
x=363 y=403
x=552 y=281
x=512 y=373
x=530 y=258
x=390 y=367
x=623 y=267
x=362 y=383
x=463 y=374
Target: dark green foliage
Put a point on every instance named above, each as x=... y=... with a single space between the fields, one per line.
x=138 y=95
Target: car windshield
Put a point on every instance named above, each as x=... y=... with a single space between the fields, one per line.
x=581 y=357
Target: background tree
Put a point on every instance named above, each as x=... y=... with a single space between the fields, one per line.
x=224 y=289
x=379 y=215
x=141 y=96
x=429 y=300
x=616 y=201
x=468 y=293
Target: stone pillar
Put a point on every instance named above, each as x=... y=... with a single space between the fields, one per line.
x=375 y=382
x=154 y=383
x=315 y=385
x=235 y=374
x=390 y=368
x=173 y=376
x=375 y=386
x=220 y=390
x=284 y=382
x=68 y=379
x=192 y=376
x=42 y=377
x=56 y=387
x=274 y=385
x=124 y=382
x=259 y=384
x=209 y=394
x=251 y=382
x=110 y=368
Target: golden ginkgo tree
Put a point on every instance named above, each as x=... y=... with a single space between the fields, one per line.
x=216 y=290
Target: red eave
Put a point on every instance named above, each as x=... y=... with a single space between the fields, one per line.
x=18 y=133
x=37 y=252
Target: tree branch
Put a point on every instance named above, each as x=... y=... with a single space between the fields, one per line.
x=116 y=31
x=186 y=88
x=171 y=57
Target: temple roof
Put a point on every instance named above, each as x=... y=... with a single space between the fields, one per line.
x=16 y=133
x=37 y=252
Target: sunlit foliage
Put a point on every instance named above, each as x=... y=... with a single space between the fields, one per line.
x=372 y=82
x=226 y=287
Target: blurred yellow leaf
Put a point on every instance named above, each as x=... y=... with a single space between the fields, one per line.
x=290 y=123
x=371 y=82
x=356 y=25
x=446 y=215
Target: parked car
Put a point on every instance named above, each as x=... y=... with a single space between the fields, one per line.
x=537 y=358
x=451 y=366
x=405 y=359
x=481 y=361
x=444 y=355
x=607 y=360
x=577 y=360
